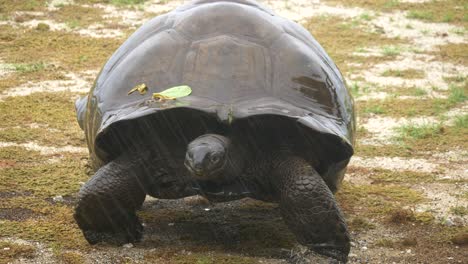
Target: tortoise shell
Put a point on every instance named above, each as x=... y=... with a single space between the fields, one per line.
x=244 y=64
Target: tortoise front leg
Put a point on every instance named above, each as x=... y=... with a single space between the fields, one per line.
x=310 y=210
x=108 y=201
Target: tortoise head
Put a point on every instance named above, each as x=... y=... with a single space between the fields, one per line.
x=207 y=156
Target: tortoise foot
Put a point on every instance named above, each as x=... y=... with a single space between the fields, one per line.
x=117 y=238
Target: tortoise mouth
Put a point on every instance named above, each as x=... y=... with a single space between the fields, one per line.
x=211 y=188
x=205 y=175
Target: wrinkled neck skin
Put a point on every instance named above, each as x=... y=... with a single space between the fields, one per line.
x=237 y=159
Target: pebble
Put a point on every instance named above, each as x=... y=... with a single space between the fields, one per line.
x=449 y=222
x=364 y=248
x=171 y=224
x=129 y=245
x=58 y=199
x=7 y=248
x=408 y=251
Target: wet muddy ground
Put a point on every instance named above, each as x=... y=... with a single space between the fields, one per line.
x=406 y=191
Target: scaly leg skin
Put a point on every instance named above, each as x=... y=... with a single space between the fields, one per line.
x=108 y=201
x=310 y=210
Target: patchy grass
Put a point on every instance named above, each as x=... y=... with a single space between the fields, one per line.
x=360 y=224
x=461 y=121
x=459 y=210
x=391 y=51
x=59 y=228
x=457 y=94
x=375 y=109
x=179 y=256
x=404 y=216
x=382 y=176
x=391 y=150
x=71 y=257
x=10 y=251
x=420 y=14
x=406 y=74
x=9 y=6
x=423 y=131
x=352 y=36
x=417 y=91
x=449 y=11
x=394 y=107
x=358 y=89
x=385 y=242
x=433 y=137
x=455 y=53
x=54 y=109
x=46 y=180
x=64 y=50
x=376 y=200
x=43 y=136
x=27 y=68
x=120 y=3
x=78 y=16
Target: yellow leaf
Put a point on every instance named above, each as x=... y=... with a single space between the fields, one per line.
x=141 y=88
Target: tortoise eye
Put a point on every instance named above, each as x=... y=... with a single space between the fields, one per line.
x=215 y=158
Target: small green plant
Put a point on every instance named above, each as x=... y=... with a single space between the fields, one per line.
x=27 y=68
x=393 y=73
x=354 y=89
x=461 y=121
x=419 y=92
x=422 y=131
x=420 y=14
x=73 y=23
x=127 y=2
x=384 y=242
x=376 y=109
x=365 y=16
x=457 y=94
x=391 y=51
x=447 y=18
x=407 y=73
x=459 y=210
x=391 y=4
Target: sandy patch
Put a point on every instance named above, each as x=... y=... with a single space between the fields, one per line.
x=44 y=150
x=300 y=10
x=463 y=110
x=434 y=71
x=414 y=1
x=394 y=163
x=423 y=35
x=54 y=5
x=383 y=129
x=5 y=69
x=443 y=197
x=76 y=83
x=43 y=254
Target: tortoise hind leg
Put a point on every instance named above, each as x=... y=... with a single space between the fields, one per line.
x=310 y=210
x=108 y=201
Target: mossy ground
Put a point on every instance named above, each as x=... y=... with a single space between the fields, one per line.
x=450 y=11
x=384 y=204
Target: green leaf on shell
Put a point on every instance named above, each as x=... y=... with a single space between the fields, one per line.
x=173 y=93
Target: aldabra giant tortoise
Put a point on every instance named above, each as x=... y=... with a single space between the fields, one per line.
x=269 y=117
